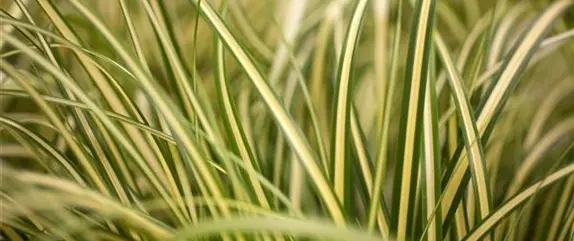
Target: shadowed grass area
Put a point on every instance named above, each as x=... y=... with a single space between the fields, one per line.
x=266 y=120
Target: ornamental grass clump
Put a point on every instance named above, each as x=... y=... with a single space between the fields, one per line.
x=242 y=120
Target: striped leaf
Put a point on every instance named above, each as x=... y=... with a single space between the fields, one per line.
x=340 y=139
x=410 y=131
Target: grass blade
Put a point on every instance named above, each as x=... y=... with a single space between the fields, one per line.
x=431 y=161
x=234 y=127
x=470 y=133
x=409 y=135
x=339 y=149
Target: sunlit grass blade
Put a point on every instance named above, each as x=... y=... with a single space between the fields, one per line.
x=410 y=131
x=340 y=139
x=318 y=81
x=234 y=127
x=430 y=165
x=469 y=130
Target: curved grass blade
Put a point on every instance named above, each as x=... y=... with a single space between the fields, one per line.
x=498 y=41
x=469 y=130
x=133 y=34
x=234 y=126
x=381 y=25
x=568 y=226
x=84 y=121
x=298 y=76
x=516 y=63
x=339 y=148
x=318 y=82
x=247 y=30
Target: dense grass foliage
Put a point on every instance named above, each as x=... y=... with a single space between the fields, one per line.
x=144 y=120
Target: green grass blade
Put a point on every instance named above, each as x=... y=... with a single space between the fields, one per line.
x=469 y=130
x=119 y=102
x=409 y=135
x=318 y=82
x=234 y=126
x=431 y=161
x=133 y=33
x=343 y=104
